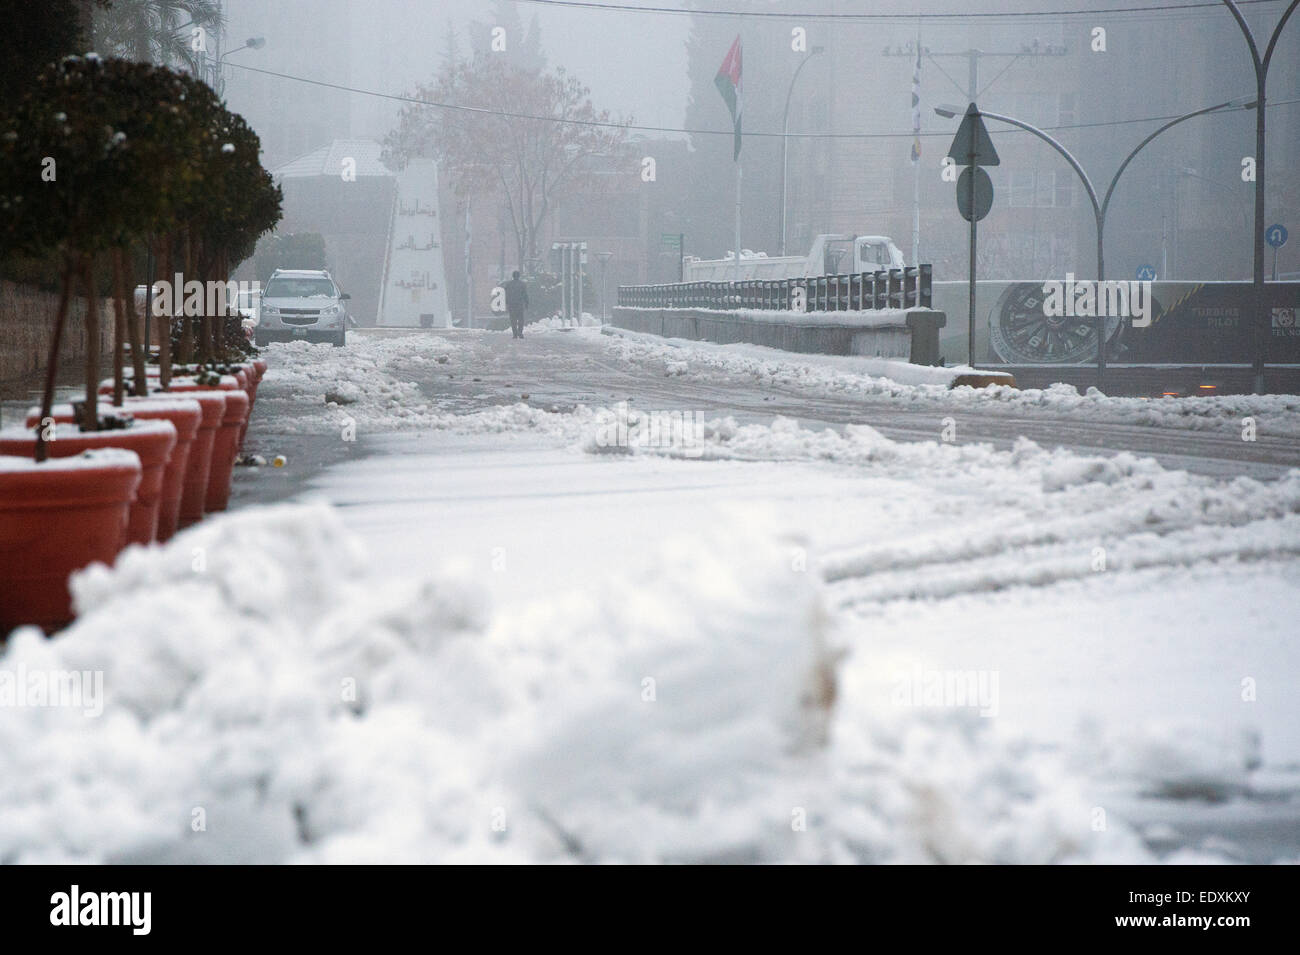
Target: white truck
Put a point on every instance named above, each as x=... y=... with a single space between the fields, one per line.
x=836 y=254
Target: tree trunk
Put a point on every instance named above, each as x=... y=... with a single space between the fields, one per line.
x=219 y=326
x=90 y=410
x=165 y=331
x=187 y=320
x=119 y=328
x=52 y=366
x=203 y=265
x=134 y=333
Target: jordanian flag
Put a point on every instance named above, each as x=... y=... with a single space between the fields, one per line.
x=728 y=83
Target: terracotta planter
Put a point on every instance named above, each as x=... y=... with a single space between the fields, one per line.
x=152 y=441
x=226 y=441
x=194 y=484
x=185 y=414
x=225 y=449
x=251 y=389
x=254 y=378
x=55 y=518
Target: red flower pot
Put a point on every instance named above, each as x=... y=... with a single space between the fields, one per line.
x=185 y=414
x=152 y=441
x=225 y=444
x=225 y=449
x=57 y=517
x=194 y=486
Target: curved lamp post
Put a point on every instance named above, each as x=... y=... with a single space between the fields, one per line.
x=785 y=142
x=1241 y=102
x=1099 y=207
x=1261 y=81
x=252 y=43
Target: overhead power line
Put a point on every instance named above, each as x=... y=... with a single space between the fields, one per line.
x=895 y=17
x=507 y=114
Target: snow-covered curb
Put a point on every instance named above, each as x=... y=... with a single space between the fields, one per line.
x=874 y=318
x=893 y=370
x=849 y=376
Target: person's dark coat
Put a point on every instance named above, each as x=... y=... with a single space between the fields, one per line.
x=516 y=294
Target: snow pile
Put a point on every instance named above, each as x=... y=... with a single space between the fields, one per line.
x=1175 y=759
x=556 y=323
x=851 y=376
x=367 y=383
x=268 y=699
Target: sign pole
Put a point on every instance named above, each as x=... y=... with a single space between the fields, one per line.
x=972 y=148
x=970 y=331
x=582 y=255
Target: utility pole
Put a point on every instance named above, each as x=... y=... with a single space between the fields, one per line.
x=973 y=57
x=973 y=94
x=469 y=277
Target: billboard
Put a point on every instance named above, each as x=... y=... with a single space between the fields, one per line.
x=1019 y=323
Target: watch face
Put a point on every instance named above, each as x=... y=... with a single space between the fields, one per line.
x=1021 y=334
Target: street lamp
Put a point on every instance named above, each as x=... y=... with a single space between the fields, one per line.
x=1261 y=81
x=1241 y=102
x=785 y=142
x=1099 y=207
x=252 y=43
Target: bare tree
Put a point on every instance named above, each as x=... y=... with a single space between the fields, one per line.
x=523 y=135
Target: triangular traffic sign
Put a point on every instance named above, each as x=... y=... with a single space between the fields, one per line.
x=973 y=138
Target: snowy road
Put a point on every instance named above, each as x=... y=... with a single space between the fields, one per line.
x=562 y=369
x=785 y=637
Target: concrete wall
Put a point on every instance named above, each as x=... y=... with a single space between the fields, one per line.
x=26 y=323
x=910 y=335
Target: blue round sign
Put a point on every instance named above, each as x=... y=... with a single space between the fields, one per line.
x=1146 y=273
x=1276 y=235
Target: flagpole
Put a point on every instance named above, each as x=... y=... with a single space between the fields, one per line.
x=735 y=272
x=916 y=163
x=916 y=214
x=730 y=83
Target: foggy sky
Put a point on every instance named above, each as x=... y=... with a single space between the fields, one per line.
x=634 y=63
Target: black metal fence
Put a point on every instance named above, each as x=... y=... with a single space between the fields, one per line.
x=892 y=288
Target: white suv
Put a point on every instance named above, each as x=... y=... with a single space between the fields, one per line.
x=302 y=304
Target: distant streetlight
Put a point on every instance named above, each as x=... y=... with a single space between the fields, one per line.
x=785 y=142
x=252 y=43
x=1099 y=207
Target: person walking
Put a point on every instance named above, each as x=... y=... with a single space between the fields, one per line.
x=516 y=301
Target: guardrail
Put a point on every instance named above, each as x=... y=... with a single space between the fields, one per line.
x=892 y=288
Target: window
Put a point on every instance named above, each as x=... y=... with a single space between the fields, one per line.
x=1068 y=114
x=300 y=288
x=1027 y=189
x=1020 y=189
x=1064 y=198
